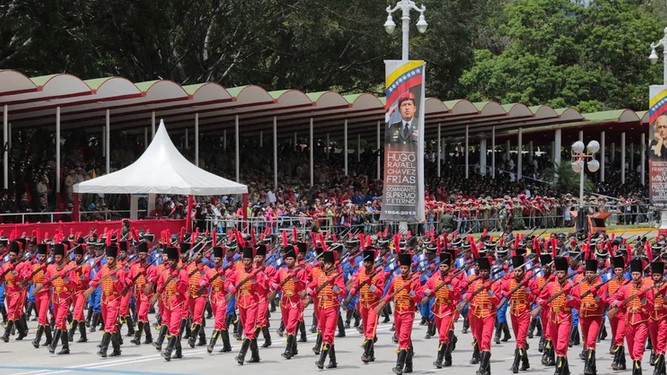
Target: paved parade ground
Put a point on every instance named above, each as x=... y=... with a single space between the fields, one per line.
x=20 y=358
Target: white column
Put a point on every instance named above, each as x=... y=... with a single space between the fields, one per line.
x=107 y=143
x=187 y=139
x=275 y=153
x=623 y=157
x=493 y=152
x=57 y=149
x=379 y=166
x=632 y=157
x=153 y=124
x=358 y=148
x=145 y=137
x=5 y=152
x=197 y=139
x=507 y=149
x=439 y=148
x=312 y=160
x=581 y=135
x=237 y=151
x=482 y=156
x=519 y=157
x=261 y=138
x=224 y=140
x=530 y=152
x=9 y=134
x=557 y=145
x=603 y=157
x=642 y=142
x=345 y=146
x=466 y=151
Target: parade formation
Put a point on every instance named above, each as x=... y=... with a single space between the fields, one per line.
x=563 y=286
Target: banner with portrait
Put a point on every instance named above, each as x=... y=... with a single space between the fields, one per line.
x=657 y=149
x=403 y=193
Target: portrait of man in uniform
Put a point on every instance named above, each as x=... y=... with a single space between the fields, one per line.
x=657 y=149
x=405 y=130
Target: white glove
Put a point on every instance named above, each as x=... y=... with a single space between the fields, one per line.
x=411 y=294
x=336 y=289
x=427 y=292
x=373 y=288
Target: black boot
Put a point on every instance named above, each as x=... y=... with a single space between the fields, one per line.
x=442 y=348
x=72 y=330
x=603 y=333
x=254 y=351
x=56 y=337
x=485 y=363
x=372 y=351
x=214 y=338
x=323 y=356
x=430 y=331
x=22 y=328
x=302 y=332
x=137 y=335
x=540 y=346
x=660 y=368
x=560 y=363
x=475 y=354
x=615 y=351
x=170 y=348
x=517 y=359
x=332 y=357
x=244 y=349
x=238 y=329
x=202 y=334
x=496 y=337
x=400 y=362
x=89 y=316
x=160 y=338
x=287 y=354
x=147 y=331
x=348 y=317
x=95 y=322
x=466 y=325
x=506 y=332
x=104 y=345
x=591 y=363
x=636 y=368
x=82 y=332
x=281 y=329
x=366 y=355
x=341 y=327
x=448 y=354
x=38 y=337
x=649 y=344
x=583 y=355
x=531 y=329
x=179 y=350
x=408 y=361
x=226 y=346
x=313 y=324
x=130 y=326
x=651 y=358
x=385 y=313
x=267 y=336
x=64 y=339
x=318 y=343
x=192 y=340
x=525 y=365
x=115 y=343
x=47 y=333
x=452 y=341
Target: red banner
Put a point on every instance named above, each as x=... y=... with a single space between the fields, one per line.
x=85 y=227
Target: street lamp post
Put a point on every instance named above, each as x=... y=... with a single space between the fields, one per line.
x=653 y=57
x=578 y=160
x=406 y=6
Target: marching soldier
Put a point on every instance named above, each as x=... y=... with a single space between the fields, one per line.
x=82 y=271
x=196 y=298
x=125 y=299
x=537 y=285
x=64 y=282
x=41 y=297
x=517 y=290
x=368 y=283
x=112 y=279
x=142 y=273
x=446 y=291
x=13 y=273
x=555 y=296
x=406 y=292
x=172 y=285
x=217 y=276
x=263 y=304
x=617 y=322
x=658 y=321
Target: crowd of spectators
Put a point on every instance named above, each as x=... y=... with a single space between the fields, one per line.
x=338 y=200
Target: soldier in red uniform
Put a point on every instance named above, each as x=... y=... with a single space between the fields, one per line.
x=291 y=281
x=446 y=291
x=247 y=284
x=161 y=325
x=406 y=292
x=64 y=281
x=219 y=284
x=517 y=291
x=636 y=299
x=536 y=286
x=263 y=303
x=368 y=282
x=173 y=286
x=41 y=297
x=313 y=273
x=113 y=280
x=591 y=303
x=658 y=322
x=125 y=299
x=197 y=296
x=617 y=322
x=82 y=271
x=13 y=272
x=483 y=296
x=141 y=274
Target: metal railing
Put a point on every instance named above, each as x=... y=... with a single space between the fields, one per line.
x=54 y=217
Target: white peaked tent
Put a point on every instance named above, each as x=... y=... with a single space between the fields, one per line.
x=161 y=170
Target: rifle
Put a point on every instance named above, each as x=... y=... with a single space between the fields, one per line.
x=228 y=296
x=2 y=277
x=370 y=277
x=537 y=310
x=135 y=278
x=463 y=304
x=273 y=293
x=380 y=305
x=449 y=279
x=319 y=289
x=40 y=287
x=614 y=310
